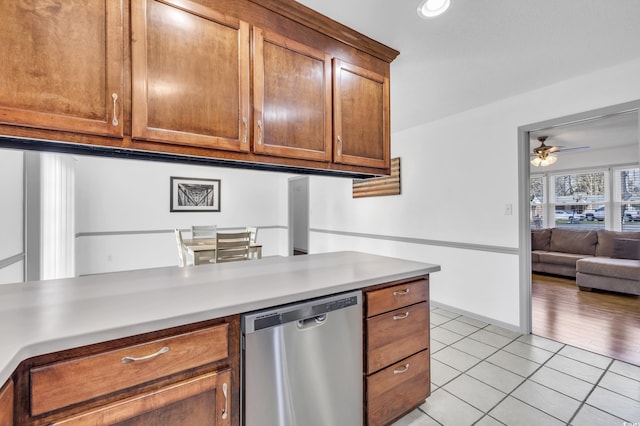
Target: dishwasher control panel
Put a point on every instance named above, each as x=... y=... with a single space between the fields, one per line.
x=276 y=316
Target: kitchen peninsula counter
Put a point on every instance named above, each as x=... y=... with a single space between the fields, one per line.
x=41 y=317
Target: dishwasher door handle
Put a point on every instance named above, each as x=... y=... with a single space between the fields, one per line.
x=311 y=322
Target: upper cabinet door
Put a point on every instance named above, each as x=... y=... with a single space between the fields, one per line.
x=62 y=65
x=360 y=116
x=292 y=98
x=190 y=75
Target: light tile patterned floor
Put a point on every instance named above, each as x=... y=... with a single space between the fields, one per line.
x=485 y=375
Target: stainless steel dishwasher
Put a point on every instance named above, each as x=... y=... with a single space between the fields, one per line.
x=302 y=363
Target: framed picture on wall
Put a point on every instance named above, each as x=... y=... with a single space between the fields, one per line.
x=195 y=195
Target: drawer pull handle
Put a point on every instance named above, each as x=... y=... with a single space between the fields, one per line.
x=162 y=350
x=399 y=317
x=401 y=293
x=224 y=392
x=401 y=370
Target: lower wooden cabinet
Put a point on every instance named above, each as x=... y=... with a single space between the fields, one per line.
x=60 y=384
x=6 y=404
x=203 y=401
x=395 y=335
x=401 y=385
x=397 y=356
x=186 y=375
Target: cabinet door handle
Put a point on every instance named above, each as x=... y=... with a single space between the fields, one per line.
x=399 y=317
x=339 y=146
x=162 y=350
x=401 y=293
x=401 y=370
x=114 y=96
x=259 y=132
x=244 y=123
x=224 y=392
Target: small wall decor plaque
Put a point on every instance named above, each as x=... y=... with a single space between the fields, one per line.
x=384 y=185
x=195 y=195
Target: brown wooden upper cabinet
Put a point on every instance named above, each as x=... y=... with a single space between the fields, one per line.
x=190 y=75
x=360 y=116
x=62 y=65
x=291 y=98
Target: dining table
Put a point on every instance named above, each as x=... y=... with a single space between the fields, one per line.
x=204 y=249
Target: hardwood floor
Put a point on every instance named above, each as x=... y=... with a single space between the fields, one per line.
x=602 y=322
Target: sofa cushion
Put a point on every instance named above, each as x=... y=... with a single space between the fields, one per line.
x=574 y=241
x=626 y=248
x=605 y=240
x=556 y=258
x=605 y=267
x=540 y=239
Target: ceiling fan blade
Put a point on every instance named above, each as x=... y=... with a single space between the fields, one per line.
x=575 y=149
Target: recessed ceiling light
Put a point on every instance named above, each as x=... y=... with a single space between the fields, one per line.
x=432 y=8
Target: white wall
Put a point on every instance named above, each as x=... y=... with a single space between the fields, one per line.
x=11 y=214
x=457 y=175
x=123 y=217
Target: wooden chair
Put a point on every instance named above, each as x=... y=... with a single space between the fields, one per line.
x=231 y=247
x=253 y=237
x=253 y=230
x=203 y=231
x=182 y=251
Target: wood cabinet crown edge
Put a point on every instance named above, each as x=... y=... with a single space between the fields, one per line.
x=325 y=25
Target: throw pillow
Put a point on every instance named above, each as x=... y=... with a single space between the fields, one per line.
x=626 y=248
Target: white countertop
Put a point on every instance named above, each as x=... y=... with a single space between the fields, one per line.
x=47 y=316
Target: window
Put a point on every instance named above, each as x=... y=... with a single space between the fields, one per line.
x=538 y=202
x=577 y=196
x=589 y=199
x=627 y=198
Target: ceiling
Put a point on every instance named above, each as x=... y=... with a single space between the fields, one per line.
x=601 y=133
x=481 y=51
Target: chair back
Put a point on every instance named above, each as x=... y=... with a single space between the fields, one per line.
x=231 y=247
x=182 y=252
x=253 y=231
x=203 y=231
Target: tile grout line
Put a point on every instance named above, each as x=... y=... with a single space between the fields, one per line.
x=497 y=349
x=592 y=390
x=507 y=395
x=528 y=378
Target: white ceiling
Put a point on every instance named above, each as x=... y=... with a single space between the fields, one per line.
x=481 y=51
x=602 y=133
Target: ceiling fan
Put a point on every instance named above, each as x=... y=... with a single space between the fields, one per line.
x=544 y=154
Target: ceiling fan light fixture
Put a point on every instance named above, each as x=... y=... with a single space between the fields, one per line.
x=432 y=8
x=544 y=162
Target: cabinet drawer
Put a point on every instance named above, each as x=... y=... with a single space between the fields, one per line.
x=396 y=335
x=68 y=382
x=395 y=390
x=397 y=296
x=202 y=401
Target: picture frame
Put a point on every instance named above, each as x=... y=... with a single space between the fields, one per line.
x=194 y=195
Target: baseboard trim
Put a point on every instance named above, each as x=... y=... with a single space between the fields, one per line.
x=475 y=316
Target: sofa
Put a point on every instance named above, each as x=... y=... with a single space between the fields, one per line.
x=605 y=260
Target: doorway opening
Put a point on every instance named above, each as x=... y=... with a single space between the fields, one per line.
x=298 y=216
x=525 y=135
